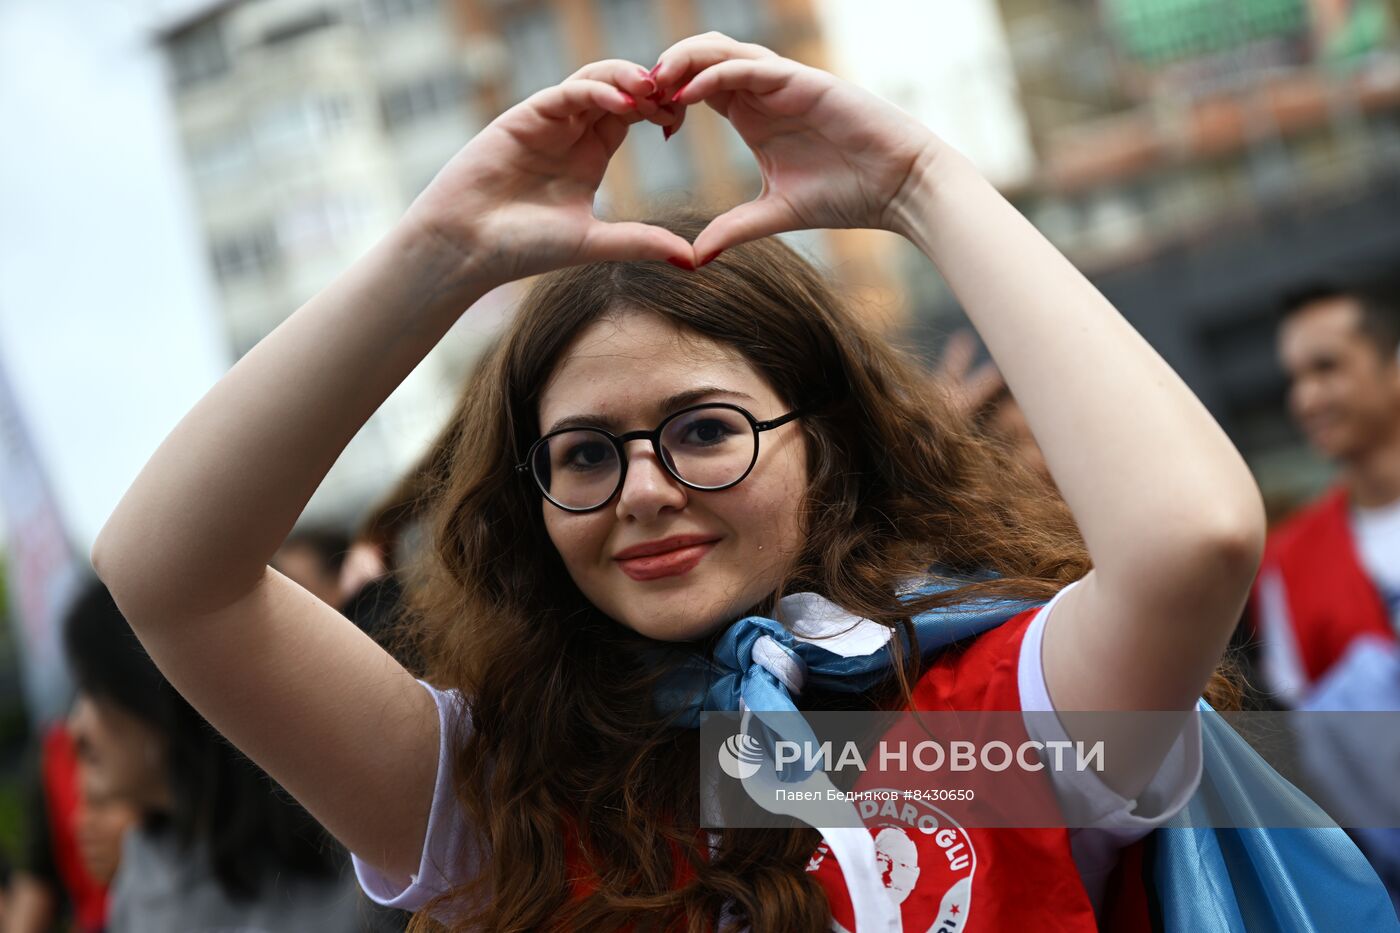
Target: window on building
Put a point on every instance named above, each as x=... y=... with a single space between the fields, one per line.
x=221 y=157
x=333 y=112
x=245 y=254
x=377 y=11
x=199 y=54
x=660 y=166
x=289 y=31
x=423 y=98
x=283 y=126
x=744 y=20
x=299 y=124
x=629 y=29
x=537 y=57
x=314 y=224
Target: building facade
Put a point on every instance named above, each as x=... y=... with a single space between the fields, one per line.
x=1201 y=159
x=308 y=127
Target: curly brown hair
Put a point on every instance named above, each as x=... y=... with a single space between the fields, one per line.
x=564 y=730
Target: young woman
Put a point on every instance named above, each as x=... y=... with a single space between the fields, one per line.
x=574 y=571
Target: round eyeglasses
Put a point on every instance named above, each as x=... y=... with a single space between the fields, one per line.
x=706 y=447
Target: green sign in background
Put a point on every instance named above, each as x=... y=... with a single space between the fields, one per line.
x=1159 y=31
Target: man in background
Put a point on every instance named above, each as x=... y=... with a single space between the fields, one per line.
x=1327 y=596
x=1331 y=572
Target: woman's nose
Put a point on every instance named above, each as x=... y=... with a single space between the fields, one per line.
x=647 y=488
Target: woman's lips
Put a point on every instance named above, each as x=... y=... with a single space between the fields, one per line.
x=671 y=564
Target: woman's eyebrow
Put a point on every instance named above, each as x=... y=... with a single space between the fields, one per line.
x=666 y=405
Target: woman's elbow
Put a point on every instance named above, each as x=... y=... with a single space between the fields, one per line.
x=111 y=561
x=98 y=556
x=1234 y=541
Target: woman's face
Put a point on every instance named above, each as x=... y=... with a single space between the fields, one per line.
x=621 y=369
x=121 y=757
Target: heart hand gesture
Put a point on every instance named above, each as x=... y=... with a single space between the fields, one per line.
x=831 y=154
x=518 y=198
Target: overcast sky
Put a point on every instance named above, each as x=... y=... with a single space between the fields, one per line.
x=107 y=316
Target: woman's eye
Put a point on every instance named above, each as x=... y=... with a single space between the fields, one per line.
x=587 y=456
x=707 y=432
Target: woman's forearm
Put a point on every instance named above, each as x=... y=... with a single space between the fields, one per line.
x=1148 y=474
x=199 y=524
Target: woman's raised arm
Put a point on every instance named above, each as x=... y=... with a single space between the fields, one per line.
x=1170 y=513
x=1171 y=516
x=294 y=685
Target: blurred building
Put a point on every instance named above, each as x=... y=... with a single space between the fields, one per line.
x=308 y=126
x=1200 y=159
x=535 y=43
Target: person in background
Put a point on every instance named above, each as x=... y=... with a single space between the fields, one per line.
x=314 y=556
x=71 y=848
x=1327 y=597
x=216 y=844
x=1331 y=572
x=980 y=394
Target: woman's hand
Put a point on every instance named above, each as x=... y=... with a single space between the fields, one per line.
x=518 y=199
x=831 y=154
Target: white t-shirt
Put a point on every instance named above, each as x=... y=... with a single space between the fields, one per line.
x=1377 y=533
x=449 y=856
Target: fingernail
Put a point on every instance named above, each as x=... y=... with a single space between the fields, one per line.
x=681 y=263
x=654 y=69
x=710 y=258
x=667 y=132
x=631 y=101
x=675 y=98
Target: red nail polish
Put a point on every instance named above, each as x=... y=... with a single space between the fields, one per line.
x=681 y=263
x=710 y=258
x=654 y=69
x=668 y=131
x=675 y=98
x=631 y=101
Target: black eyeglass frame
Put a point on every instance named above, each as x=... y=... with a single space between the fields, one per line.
x=654 y=435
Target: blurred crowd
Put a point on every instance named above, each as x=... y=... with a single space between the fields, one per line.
x=141 y=818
